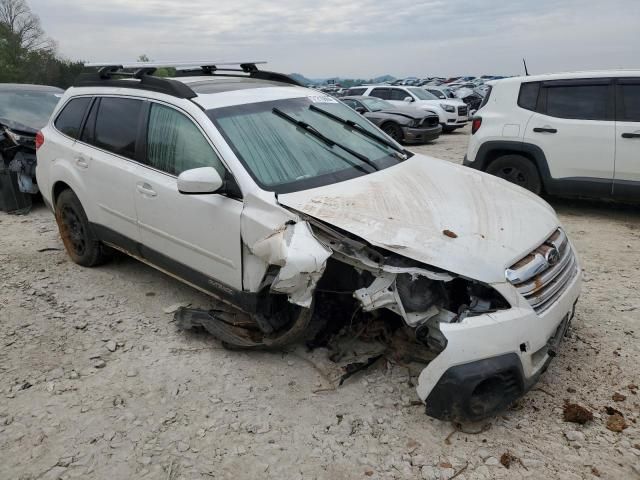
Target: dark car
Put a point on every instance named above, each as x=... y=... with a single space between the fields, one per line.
x=24 y=109
x=403 y=124
x=472 y=98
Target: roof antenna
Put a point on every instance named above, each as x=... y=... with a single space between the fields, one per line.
x=526 y=72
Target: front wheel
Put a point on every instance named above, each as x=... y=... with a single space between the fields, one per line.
x=394 y=131
x=517 y=169
x=79 y=240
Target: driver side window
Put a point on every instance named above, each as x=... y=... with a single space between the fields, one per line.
x=175 y=144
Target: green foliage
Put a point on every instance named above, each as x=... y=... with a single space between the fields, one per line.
x=26 y=54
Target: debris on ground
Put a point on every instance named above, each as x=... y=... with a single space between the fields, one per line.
x=618 y=397
x=616 y=423
x=450 y=234
x=507 y=459
x=613 y=411
x=575 y=413
x=175 y=307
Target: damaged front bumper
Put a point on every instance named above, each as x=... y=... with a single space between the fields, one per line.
x=493 y=359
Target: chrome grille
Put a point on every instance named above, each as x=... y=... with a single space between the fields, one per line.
x=542 y=276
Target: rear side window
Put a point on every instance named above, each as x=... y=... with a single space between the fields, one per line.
x=581 y=102
x=175 y=144
x=350 y=103
x=629 y=103
x=399 y=94
x=356 y=91
x=382 y=93
x=70 y=119
x=485 y=100
x=528 y=97
x=437 y=93
x=116 y=125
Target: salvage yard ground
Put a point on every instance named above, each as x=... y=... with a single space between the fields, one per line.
x=97 y=382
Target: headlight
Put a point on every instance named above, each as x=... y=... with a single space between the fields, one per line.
x=415 y=123
x=448 y=108
x=17 y=139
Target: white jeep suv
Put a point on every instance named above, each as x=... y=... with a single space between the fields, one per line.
x=302 y=217
x=573 y=134
x=452 y=113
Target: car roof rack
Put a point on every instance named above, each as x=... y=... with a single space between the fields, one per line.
x=126 y=75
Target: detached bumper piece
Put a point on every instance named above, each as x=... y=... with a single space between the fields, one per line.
x=12 y=200
x=477 y=390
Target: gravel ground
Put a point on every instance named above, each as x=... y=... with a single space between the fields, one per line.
x=97 y=382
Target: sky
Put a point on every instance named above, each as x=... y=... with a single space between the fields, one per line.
x=354 y=38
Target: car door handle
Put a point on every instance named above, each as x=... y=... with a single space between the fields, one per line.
x=545 y=130
x=631 y=135
x=146 y=189
x=81 y=162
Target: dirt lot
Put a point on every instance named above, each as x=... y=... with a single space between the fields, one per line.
x=96 y=381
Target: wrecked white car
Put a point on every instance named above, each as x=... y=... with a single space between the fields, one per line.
x=304 y=220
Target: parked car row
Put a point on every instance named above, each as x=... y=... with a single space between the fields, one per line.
x=452 y=113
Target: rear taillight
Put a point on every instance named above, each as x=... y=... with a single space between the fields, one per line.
x=39 y=140
x=475 y=124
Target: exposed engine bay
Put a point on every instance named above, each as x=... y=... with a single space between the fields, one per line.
x=17 y=167
x=330 y=289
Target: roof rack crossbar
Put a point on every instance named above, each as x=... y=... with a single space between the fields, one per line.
x=169 y=64
x=143 y=71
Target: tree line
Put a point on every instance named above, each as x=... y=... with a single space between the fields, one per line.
x=27 y=54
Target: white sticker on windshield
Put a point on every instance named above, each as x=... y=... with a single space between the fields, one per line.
x=322 y=99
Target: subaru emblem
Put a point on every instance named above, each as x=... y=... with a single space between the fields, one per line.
x=552 y=256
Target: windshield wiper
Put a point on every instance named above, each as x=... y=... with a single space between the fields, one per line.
x=353 y=125
x=331 y=143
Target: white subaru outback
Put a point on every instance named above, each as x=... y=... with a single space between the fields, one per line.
x=288 y=206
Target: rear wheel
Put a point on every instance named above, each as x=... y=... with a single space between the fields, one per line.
x=81 y=244
x=394 y=131
x=517 y=169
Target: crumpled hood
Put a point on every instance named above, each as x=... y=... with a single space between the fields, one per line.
x=435 y=212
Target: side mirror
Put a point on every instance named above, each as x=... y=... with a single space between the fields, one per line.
x=199 y=181
x=361 y=110
x=408 y=99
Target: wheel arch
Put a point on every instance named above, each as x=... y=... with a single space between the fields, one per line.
x=490 y=151
x=64 y=177
x=57 y=189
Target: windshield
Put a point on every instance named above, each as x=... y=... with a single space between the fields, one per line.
x=422 y=94
x=375 y=104
x=29 y=108
x=282 y=157
x=438 y=93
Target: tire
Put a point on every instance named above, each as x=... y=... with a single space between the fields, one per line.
x=81 y=244
x=447 y=129
x=394 y=131
x=518 y=170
